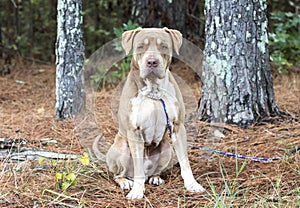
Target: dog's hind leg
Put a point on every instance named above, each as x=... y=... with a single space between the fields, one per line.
x=119 y=162
x=163 y=156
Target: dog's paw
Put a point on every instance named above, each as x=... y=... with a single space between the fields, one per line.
x=194 y=187
x=124 y=183
x=156 y=180
x=136 y=193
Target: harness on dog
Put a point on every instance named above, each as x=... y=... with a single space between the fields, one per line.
x=158 y=96
x=169 y=125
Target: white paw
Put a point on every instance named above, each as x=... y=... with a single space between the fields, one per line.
x=124 y=183
x=156 y=180
x=136 y=193
x=194 y=187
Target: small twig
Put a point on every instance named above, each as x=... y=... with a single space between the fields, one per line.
x=60 y=195
x=14 y=3
x=221 y=125
x=37 y=61
x=194 y=17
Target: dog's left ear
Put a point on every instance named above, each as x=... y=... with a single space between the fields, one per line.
x=127 y=39
x=176 y=38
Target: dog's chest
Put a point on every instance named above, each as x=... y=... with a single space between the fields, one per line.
x=148 y=115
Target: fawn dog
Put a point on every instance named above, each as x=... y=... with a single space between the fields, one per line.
x=151 y=110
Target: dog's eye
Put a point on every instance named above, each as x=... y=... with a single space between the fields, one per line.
x=164 y=47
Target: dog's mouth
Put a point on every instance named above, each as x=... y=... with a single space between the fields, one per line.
x=152 y=70
x=153 y=73
x=152 y=67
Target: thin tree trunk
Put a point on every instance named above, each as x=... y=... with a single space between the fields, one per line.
x=140 y=11
x=17 y=22
x=179 y=15
x=237 y=81
x=69 y=59
x=1 y=42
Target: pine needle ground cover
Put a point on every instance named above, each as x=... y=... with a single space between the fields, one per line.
x=27 y=99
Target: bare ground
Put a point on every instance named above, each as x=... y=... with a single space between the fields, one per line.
x=27 y=99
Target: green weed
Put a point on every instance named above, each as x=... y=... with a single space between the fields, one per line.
x=285 y=39
x=119 y=71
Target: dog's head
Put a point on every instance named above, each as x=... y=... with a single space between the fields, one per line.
x=152 y=49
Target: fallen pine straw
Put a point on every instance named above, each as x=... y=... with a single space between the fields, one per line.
x=27 y=111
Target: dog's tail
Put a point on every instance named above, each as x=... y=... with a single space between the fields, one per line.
x=99 y=150
x=91 y=137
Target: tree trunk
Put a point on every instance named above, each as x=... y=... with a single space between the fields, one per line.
x=160 y=13
x=1 y=42
x=69 y=59
x=140 y=11
x=237 y=81
x=179 y=16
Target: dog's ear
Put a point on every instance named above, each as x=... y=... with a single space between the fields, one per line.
x=176 y=38
x=127 y=39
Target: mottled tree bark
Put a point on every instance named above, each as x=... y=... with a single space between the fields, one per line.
x=237 y=81
x=69 y=59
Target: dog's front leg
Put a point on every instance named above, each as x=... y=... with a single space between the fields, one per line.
x=136 y=145
x=180 y=145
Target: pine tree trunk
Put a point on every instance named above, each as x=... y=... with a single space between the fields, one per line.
x=69 y=59
x=179 y=16
x=237 y=81
x=160 y=13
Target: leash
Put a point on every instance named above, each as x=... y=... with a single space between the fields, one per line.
x=167 y=118
x=256 y=159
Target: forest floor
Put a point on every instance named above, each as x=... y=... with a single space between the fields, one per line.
x=27 y=111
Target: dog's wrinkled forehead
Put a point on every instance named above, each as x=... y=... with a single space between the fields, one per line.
x=165 y=38
x=151 y=39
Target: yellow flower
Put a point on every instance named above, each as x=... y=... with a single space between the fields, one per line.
x=85 y=160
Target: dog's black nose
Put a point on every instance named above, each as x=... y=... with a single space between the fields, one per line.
x=152 y=62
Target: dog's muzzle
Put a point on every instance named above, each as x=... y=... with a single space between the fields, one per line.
x=153 y=69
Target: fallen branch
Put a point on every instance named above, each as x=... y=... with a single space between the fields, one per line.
x=12 y=149
x=34 y=154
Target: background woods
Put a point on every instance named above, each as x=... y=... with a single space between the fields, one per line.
x=28 y=27
x=28 y=31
